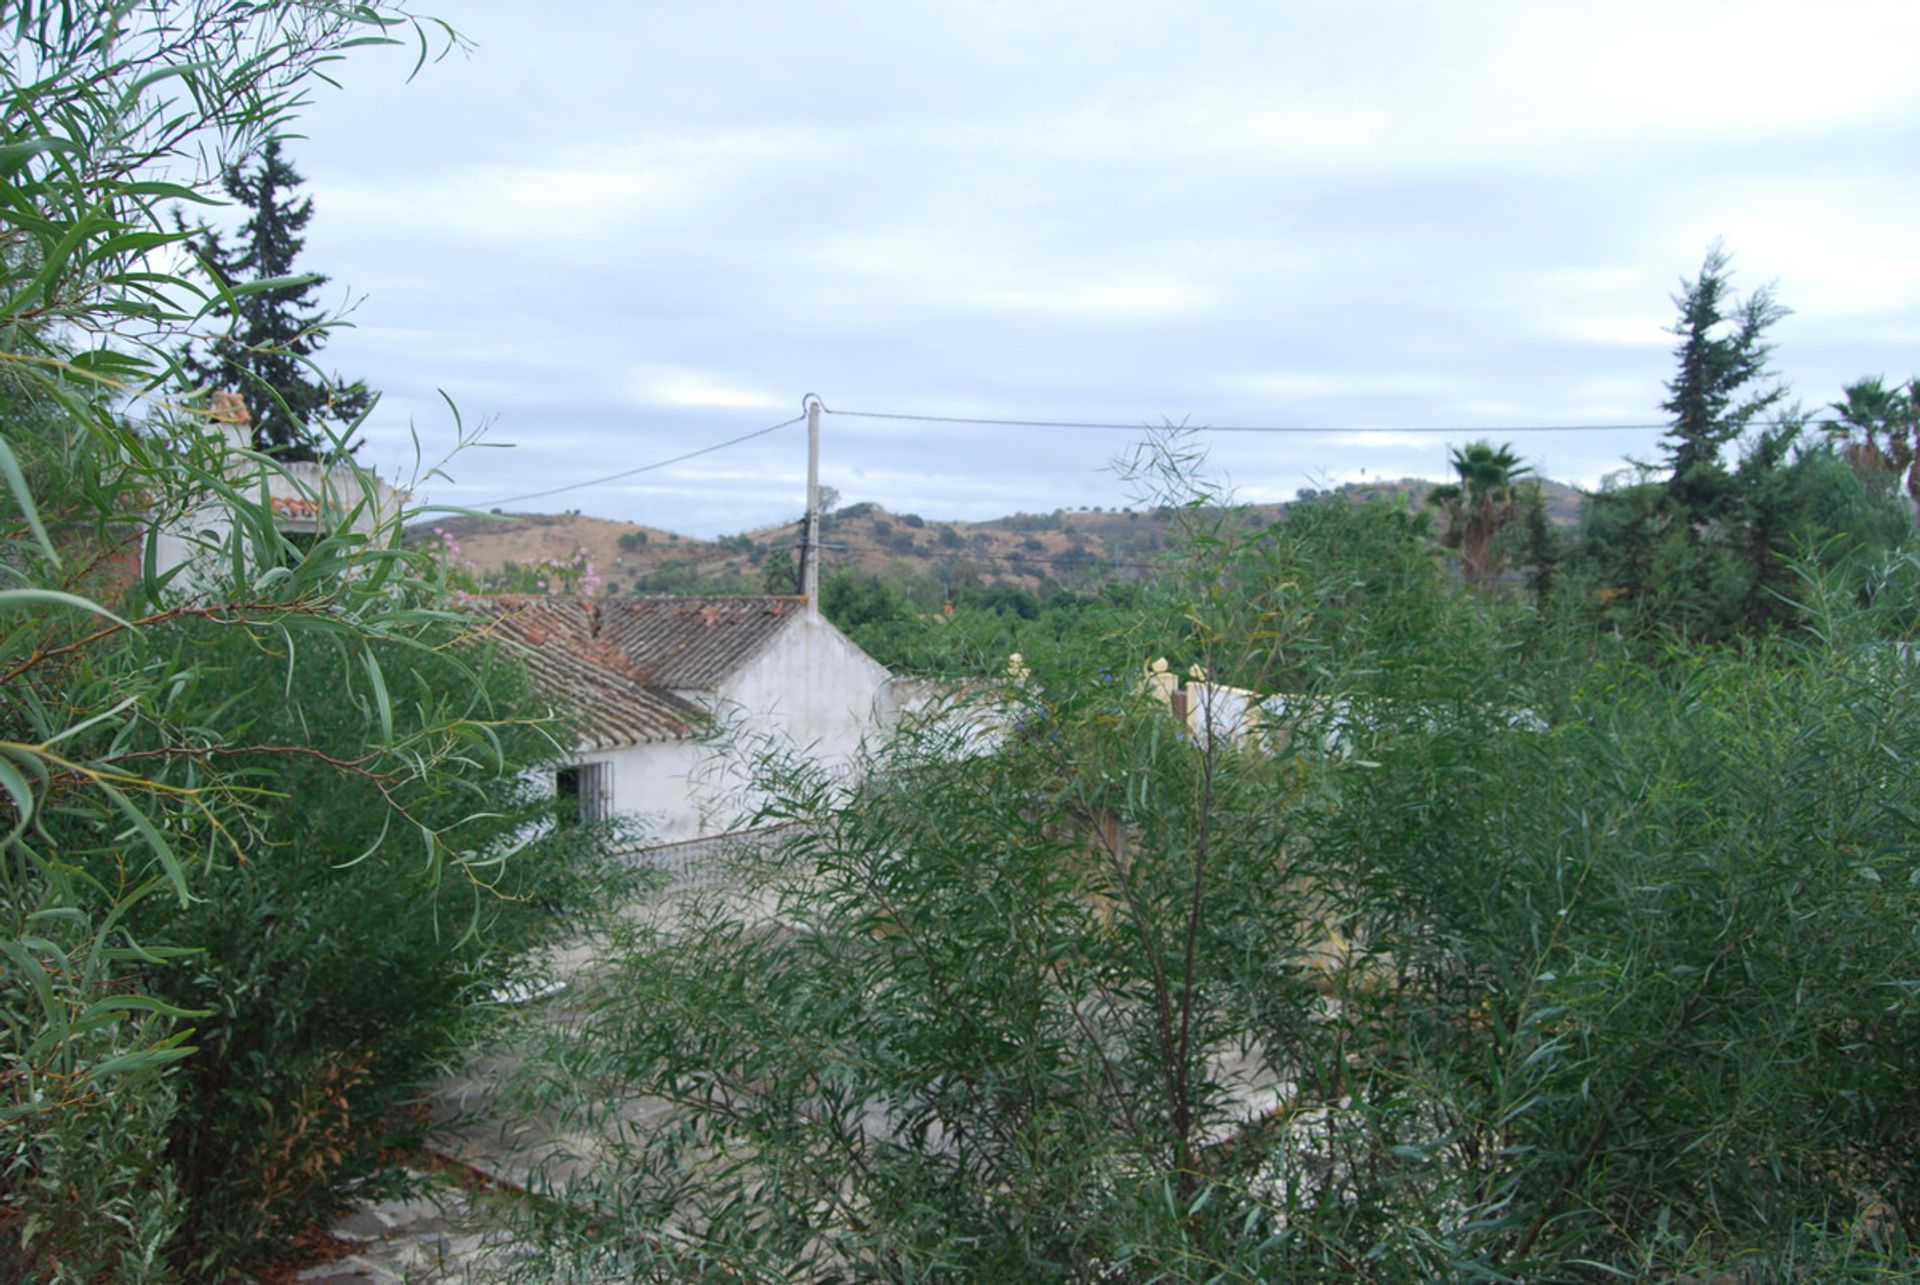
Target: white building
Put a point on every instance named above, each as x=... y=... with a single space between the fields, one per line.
x=678 y=697
x=307 y=500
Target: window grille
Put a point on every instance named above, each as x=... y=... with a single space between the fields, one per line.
x=589 y=786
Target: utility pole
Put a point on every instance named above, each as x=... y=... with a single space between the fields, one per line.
x=810 y=550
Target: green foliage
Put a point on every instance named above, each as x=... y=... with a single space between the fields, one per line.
x=547 y=576
x=1707 y=551
x=1788 y=502
x=1029 y=522
x=895 y=620
x=273 y=330
x=1710 y=396
x=338 y=966
x=1649 y=962
x=1879 y=428
x=694 y=576
x=632 y=540
x=242 y=796
x=1489 y=497
x=778 y=574
x=1498 y=953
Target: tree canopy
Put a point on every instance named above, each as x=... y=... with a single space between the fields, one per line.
x=1717 y=389
x=273 y=330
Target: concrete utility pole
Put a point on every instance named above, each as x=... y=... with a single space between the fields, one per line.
x=810 y=551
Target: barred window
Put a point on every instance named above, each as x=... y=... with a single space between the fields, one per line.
x=589 y=788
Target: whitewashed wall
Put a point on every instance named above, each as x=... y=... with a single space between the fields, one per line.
x=811 y=692
x=654 y=785
x=813 y=689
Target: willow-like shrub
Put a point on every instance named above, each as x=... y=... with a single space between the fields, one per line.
x=1502 y=952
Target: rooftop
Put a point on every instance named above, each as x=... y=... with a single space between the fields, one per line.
x=693 y=644
x=559 y=639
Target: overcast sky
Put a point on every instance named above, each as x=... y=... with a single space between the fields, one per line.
x=619 y=232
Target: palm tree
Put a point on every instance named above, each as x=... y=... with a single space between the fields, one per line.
x=1488 y=497
x=1888 y=423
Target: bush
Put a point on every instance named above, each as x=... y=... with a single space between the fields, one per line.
x=337 y=969
x=241 y=800
x=1497 y=953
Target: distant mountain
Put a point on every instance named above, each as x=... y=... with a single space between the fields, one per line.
x=1079 y=548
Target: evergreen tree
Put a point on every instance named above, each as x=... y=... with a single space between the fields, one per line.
x=267 y=353
x=777 y=574
x=1710 y=396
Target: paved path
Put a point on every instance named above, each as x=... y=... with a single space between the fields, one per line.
x=447 y=1234
x=452 y=1233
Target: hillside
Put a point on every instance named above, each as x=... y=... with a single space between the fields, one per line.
x=1079 y=548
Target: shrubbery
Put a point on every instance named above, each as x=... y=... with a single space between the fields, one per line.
x=341 y=961
x=261 y=815
x=1500 y=953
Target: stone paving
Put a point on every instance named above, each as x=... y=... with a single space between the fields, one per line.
x=446 y=1236
x=452 y=1233
x=455 y=1234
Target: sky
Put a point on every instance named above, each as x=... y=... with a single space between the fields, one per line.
x=614 y=233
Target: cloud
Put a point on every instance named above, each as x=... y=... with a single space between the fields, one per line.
x=651 y=385
x=1123 y=298
x=660 y=236
x=1336 y=384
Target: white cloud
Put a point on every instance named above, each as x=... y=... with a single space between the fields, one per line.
x=1628 y=332
x=658 y=384
x=1125 y=297
x=1331 y=384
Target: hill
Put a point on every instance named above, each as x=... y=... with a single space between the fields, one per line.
x=1078 y=548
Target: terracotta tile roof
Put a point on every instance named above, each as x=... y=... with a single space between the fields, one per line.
x=570 y=661
x=693 y=644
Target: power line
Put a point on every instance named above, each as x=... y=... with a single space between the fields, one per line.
x=993 y=422
x=647 y=468
x=1493 y=430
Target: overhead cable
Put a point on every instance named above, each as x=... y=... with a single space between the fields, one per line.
x=647 y=468
x=1489 y=430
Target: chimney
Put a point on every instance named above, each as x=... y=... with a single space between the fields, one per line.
x=229 y=416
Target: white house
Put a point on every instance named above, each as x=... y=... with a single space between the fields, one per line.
x=678 y=696
x=308 y=500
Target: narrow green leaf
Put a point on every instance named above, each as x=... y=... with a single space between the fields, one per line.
x=54 y=598
x=382 y=702
x=156 y=841
x=265 y=284
x=22 y=795
x=23 y=496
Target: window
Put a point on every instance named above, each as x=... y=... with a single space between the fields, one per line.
x=588 y=787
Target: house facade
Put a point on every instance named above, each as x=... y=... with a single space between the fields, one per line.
x=679 y=699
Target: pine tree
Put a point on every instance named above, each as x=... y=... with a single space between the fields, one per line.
x=1708 y=396
x=267 y=353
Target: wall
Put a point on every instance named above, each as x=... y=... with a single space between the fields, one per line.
x=305 y=497
x=653 y=784
x=811 y=692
